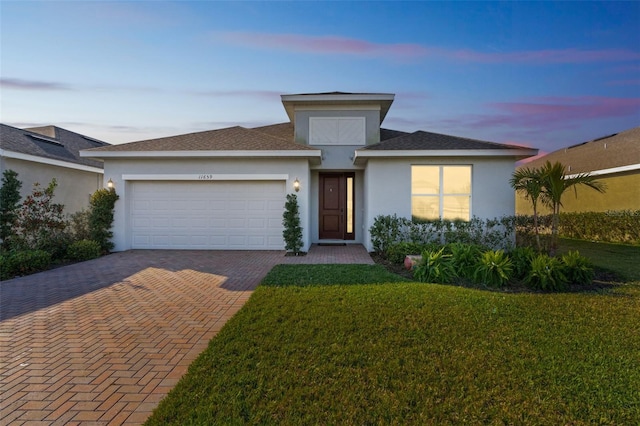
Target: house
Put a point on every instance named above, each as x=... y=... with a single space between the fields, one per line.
x=613 y=160
x=40 y=154
x=226 y=188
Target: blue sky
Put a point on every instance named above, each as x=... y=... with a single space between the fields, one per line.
x=542 y=74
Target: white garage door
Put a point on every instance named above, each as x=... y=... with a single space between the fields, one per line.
x=245 y=215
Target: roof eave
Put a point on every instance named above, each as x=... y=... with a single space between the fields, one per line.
x=310 y=154
x=361 y=156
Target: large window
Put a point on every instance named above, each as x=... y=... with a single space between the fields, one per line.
x=441 y=192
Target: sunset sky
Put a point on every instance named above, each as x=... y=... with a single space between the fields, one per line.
x=542 y=74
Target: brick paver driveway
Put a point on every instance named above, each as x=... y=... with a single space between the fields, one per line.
x=101 y=342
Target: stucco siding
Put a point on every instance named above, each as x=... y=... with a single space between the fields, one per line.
x=116 y=169
x=74 y=186
x=388 y=188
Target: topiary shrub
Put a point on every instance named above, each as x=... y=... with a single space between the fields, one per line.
x=23 y=262
x=547 y=273
x=84 y=250
x=292 y=232
x=493 y=269
x=9 y=204
x=578 y=269
x=435 y=267
x=102 y=204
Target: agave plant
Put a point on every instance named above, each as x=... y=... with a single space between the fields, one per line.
x=494 y=269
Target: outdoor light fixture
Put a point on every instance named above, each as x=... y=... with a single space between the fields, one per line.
x=296 y=185
x=110 y=184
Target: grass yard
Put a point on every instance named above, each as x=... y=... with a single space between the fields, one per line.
x=342 y=344
x=619 y=258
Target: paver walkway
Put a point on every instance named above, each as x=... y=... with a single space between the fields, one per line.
x=103 y=341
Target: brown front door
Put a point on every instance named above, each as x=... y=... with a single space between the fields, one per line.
x=336 y=206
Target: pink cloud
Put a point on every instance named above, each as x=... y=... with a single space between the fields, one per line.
x=337 y=45
x=556 y=112
x=630 y=82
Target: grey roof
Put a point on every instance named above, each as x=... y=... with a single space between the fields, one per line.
x=423 y=141
x=229 y=139
x=49 y=142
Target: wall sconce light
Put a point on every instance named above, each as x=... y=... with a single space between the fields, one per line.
x=110 y=184
x=296 y=185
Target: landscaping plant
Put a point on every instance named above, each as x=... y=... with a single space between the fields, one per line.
x=436 y=266
x=521 y=258
x=292 y=233
x=464 y=258
x=547 y=273
x=40 y=223
x=102 y=204
x=9 y=204
x=494 y=269
x=84 y=250
x=578 y=269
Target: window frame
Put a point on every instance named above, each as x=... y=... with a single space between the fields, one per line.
x=441 y=195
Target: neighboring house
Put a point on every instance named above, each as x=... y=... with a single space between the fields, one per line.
x=613 y=160
x=40 y=154
x=225 y=189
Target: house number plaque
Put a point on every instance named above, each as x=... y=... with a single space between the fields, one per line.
x=205 y=177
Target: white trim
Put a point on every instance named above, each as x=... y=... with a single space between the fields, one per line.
x=629 y=168
x=188 y=154
x=338 y=97
x=206 y=177
x=365 y=154
x=49 y=161
x=339 y=108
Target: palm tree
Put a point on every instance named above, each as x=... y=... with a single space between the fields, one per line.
x=554 y=183
x=528 y=182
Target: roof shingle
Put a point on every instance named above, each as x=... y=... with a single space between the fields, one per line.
x=49 y=142
x=423 y=141
x=230 y=139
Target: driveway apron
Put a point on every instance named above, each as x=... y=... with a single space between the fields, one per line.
x=103 y=341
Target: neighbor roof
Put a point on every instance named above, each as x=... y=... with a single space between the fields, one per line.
x=230 y=139
x=610 y=152
x=49 y=142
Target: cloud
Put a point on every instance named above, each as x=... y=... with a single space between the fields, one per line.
x=337 y=45
x=630 y=82
x=20 y=84
x=555 y=112
x=269 y=95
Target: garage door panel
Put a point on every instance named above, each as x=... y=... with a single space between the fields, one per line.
x=208 y=215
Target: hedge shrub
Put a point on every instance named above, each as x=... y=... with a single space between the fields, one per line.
x=84 y=250
x=23 y=262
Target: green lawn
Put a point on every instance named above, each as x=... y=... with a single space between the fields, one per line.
x=619 y=258
x=411 y=353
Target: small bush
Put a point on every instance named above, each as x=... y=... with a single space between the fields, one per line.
x=521 y=258
x=464 y=258
x=578 y=269
x=435 y=267
x=84 y=250
x=23 y=262
x=78 y=226
x=493 y=269
x=547 y=273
